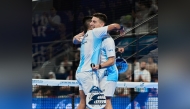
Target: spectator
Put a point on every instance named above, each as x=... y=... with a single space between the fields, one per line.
x=64 y=69
x=35 y=25
x=35 y=88
x=36 y=76
x=54 y=19
x=153 y=8
x=66 y=64
x=61 y=68
x=51 y=75
x=141 y=15
x=152 y=67
x=142 y=74
x=126 y=21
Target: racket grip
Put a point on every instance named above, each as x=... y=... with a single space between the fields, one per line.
x=92 y=65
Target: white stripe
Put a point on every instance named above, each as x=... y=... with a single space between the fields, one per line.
x=47 y=82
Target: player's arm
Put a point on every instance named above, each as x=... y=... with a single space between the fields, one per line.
x=102 y=31
x=109 y=62
x=110 y=52
x=116 y=26
x=78 y=38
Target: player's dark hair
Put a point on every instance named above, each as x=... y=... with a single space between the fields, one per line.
x=86 y=22
x=101 y=16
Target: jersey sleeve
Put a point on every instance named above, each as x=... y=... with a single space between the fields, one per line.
x=110 y=47
x=100 y=32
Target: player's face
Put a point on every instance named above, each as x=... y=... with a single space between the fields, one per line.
x=96 y=23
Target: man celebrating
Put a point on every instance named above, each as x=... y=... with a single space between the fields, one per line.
x=90 y=50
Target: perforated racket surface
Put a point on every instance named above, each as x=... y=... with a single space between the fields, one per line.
x=122 y=65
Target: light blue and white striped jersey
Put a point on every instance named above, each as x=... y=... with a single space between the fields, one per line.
x=108 y=50
x=90 y=48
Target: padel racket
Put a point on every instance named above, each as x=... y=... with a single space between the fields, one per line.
x=95 y=99
x=121 y=64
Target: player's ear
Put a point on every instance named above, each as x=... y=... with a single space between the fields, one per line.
x=102 y=24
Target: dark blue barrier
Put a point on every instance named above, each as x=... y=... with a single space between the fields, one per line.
x=65 y=103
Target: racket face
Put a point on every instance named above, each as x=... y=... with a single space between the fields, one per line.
x=95 y=99
x=122 y=65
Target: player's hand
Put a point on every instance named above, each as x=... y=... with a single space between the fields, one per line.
x=79 y=37
x=122 y=32
x=96 y=67
x=121 y=50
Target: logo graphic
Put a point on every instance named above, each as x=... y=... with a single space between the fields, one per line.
x=83 y=42
x=85 y=35
x=141 y=85
x=96 y=99
x=110 y=50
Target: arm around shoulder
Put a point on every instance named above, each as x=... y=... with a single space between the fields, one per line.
x=113 y=26
x=78 y=38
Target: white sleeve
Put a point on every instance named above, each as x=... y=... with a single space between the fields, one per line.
x=110 y=47
x=100 y=32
